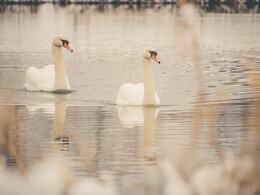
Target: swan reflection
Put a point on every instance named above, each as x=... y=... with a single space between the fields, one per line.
x=58 y=110
x=61 y=141
x=131 y=117
x=150 y=114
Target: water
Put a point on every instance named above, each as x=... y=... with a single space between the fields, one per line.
x=108 y=42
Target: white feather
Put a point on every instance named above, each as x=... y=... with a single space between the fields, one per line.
x=132 y=95
x=40 y=79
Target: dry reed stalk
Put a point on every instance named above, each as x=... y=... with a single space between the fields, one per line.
x=83 y=152
x=250 y=180
x=9 y=128
x=212 y=113
x=192 y=48
x=207 y=113
x=254 y=82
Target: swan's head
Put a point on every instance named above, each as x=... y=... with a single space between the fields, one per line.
x=61 y=41
x=150 y=53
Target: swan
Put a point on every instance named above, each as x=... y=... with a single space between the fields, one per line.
x=50 y=77
x=141 y=93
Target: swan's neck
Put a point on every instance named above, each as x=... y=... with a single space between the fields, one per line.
x=149 y=90
x=59 y=68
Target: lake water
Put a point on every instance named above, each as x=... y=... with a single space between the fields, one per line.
x=127 y=142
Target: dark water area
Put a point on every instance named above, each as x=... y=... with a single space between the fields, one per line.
x=212 y=107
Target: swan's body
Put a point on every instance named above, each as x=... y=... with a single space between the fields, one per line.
x=42 y=79
x=50 y=77
x=133 y=95
x=142 y=93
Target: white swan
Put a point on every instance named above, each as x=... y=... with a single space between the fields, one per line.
x=142 y=93
x=50 y=77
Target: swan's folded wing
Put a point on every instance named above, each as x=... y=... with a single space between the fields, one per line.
x=40 y=79
x=130 y=94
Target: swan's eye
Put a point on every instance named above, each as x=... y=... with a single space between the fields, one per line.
x=65 y=41
x=153 y=53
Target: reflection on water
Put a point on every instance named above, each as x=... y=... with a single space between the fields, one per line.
x=58 y=110
x=60 y=141
x=109 y=144
x=137 y=116
x=148 y=135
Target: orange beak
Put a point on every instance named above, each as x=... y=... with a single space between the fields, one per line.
x=67 y=47
x=154 y=57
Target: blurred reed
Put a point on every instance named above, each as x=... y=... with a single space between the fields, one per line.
x=242 y=173
x=253 y=77
x=9 y=132
x=204 y=112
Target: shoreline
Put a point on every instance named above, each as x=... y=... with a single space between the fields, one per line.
x=128 y=2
